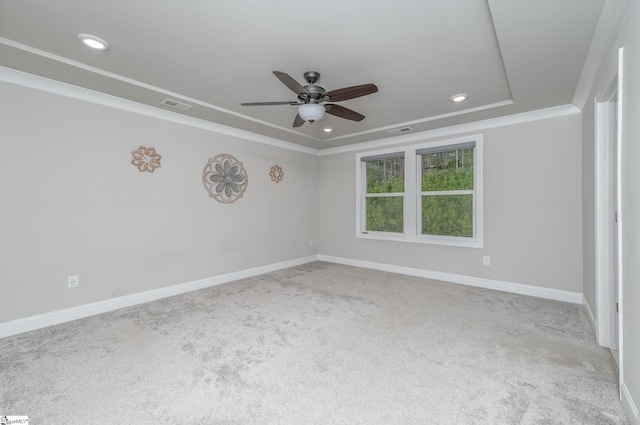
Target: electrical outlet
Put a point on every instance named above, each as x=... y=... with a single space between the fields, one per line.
x=486 y=260
x=73 y=281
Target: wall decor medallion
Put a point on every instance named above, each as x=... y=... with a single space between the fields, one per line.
x=146 y=159
x=225 y=178
x=276 y=173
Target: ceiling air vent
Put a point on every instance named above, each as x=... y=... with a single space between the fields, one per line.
x=401 y=130
x=176 y=104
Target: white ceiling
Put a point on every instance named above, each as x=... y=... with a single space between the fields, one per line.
x=509 y=56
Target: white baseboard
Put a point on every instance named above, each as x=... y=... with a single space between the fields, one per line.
x=590 y=316
x=66 y=315
x=629 y=405
x=516 y=288
x=60 y=316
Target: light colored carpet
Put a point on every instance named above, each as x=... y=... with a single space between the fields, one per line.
x=317 y=344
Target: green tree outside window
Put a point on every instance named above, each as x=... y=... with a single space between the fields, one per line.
x=447 y=192
x=385 y=190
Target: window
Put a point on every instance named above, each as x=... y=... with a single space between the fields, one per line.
x=427 y=193
x=446 y=194
x=384 y=193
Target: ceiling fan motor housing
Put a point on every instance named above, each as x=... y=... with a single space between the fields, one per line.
x=313 y=94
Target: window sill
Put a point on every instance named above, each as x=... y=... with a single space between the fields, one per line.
x=428 y=240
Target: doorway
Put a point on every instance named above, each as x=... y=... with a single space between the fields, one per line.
x=607 y=176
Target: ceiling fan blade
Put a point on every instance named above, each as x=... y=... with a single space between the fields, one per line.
x=285 y=102
x=342 y=112
x=288 y=81
x=298 y=121
x=352 y=92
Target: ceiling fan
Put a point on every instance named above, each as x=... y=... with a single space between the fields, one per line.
x=313 y=101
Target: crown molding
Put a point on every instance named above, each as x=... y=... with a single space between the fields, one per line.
x=608 y=29
x=540 y=114
x=24 y=79
x=118 y=77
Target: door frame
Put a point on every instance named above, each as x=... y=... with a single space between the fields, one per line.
x=607 y=173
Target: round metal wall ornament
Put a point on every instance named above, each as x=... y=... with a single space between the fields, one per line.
x=225 y=178
x=146 y=159
x=276 y=173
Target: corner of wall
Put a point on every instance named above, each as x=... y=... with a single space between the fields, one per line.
x=590 y=316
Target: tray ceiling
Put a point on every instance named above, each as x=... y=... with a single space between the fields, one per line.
x=510 y=57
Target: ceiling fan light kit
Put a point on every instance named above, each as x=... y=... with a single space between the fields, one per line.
x=311 y=112
x=313 y=101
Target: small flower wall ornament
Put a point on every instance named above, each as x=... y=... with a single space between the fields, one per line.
x=225 y=178
x=276 y=173
x=146 y=159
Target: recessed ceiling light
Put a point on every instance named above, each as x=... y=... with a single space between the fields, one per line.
x=459 y=97
x=328 y=129
x=93 y=41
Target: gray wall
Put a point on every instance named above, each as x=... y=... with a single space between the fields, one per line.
x=73 y=204
x=532 y=211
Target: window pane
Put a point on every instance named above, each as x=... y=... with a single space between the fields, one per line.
x=448 y=170
x=385 y=175
x=384 y=214
x=447 y=215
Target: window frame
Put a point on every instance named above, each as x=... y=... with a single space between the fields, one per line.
x=412 y=201
x=363 y=195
